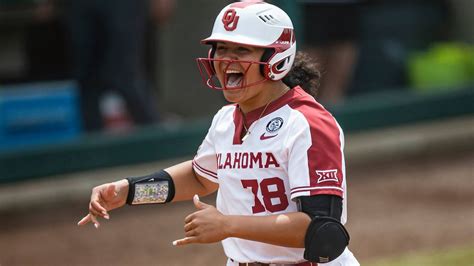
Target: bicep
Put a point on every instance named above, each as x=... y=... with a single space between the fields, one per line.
x=187 y=183
x=209 y=185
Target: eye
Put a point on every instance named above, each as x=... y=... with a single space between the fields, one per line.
x=221 y=48
x=243 y=50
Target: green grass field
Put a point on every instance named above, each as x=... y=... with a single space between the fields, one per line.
x=463 y=256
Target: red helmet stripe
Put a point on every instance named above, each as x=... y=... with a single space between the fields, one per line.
x=285 y=40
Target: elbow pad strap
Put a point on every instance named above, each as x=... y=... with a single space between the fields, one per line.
x=325 y=240
x=151 y=189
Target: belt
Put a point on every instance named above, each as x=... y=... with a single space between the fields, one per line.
x=306 y=263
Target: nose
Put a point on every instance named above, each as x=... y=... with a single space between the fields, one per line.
x=226 y=61
x=230 y=56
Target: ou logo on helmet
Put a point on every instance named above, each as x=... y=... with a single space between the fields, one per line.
x=230 y=20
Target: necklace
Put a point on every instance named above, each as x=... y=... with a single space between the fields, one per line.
x=247 y=130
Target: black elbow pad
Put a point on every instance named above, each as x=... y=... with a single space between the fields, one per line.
x=325 y=240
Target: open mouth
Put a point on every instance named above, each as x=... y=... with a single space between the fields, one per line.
x=234 y=78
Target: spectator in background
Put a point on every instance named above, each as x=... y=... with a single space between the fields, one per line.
x=331 y=36
x=108 y=41
x=44 y=49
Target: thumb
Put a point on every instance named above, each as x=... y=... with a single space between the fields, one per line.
x=198 y=203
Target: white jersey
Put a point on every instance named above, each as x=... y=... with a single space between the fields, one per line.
x=295 y=149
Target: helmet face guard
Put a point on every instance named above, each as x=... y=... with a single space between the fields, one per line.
x=255 y=24
x=209 y=76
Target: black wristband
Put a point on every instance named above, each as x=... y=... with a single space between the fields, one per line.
x=151 y=189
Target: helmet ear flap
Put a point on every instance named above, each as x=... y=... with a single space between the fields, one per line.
x=267 y=54
x=280 y=63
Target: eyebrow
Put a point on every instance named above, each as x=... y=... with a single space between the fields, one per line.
x=237 y=46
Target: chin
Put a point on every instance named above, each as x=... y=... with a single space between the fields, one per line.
x=234 y=96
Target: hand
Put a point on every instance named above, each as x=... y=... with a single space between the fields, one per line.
x=104 y=198
x=207 y=225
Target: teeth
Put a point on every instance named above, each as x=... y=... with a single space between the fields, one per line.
x=231 y=71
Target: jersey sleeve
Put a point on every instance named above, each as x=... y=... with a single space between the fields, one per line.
x=205 y=161
x=316 y=160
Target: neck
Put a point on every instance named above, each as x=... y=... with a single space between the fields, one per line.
x=266 y=96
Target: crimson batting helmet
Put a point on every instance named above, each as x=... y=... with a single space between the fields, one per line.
x=256 y=24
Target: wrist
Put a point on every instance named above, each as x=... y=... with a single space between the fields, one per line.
x=121 y=188
x=229 y=225
x=156 y=188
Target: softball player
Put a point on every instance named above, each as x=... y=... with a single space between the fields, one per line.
x=274 y=156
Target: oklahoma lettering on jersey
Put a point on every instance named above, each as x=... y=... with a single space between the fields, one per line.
x=244 y=160
x=295 y=149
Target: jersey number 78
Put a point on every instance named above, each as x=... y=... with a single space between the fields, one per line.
x=277 y=192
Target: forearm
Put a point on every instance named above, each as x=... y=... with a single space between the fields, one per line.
x=287 y=229
x=187 y=183
x=114 y=195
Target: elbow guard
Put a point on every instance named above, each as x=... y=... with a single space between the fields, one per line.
x=325 y=240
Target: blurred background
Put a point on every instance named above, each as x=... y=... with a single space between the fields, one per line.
x=93 y=91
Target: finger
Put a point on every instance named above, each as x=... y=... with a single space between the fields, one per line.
x=85 y=220
x=189 y=218
x=95 y=221
x=191 y=233
x=101 y=211
x=198 y=203
x=185 y=241
x=189 y=227
x=93 y=211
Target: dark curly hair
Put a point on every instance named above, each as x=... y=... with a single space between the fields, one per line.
x=305 y=73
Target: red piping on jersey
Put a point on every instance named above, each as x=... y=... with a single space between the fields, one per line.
x=238 y=126
x=320 y=190
x=297 y=189
x=200 y=168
